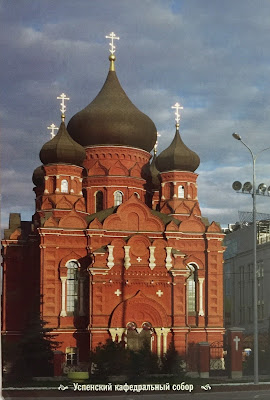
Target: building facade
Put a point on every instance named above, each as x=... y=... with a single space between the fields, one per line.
x=117 y=247
x=239 y=277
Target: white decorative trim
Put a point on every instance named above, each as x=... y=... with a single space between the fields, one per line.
x=152 y=259
x=63 y=311
x=201 y=311
x=127 y=263
x=117 y=332
x=158 y=333
x=168 y=258
x=110 y=262
x=165 y=332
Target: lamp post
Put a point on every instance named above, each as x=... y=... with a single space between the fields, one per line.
x=255 y=288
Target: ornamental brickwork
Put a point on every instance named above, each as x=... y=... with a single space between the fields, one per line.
x=110 y=255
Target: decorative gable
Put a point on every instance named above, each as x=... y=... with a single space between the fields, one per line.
x=192 y=224
x=64 y=204
x=172 y=227
x=182 y=208
x=97 y=169
x=51 y=223
x=72 y=220
x=214 y=227
x=95 y=224
x=80 y=205
x=135 y=216
x=47 y=204
x=118 y=169
x=135 y=171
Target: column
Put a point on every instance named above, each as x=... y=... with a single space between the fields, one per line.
x=152 y=259
x=168 y=258
x=81 y=308
x=158 y=333
x=127 y=263
x=165 y=332
x=110 y=262
x=201 y=310
x=63 y=311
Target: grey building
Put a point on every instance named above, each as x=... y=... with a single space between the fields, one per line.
x=239 y=279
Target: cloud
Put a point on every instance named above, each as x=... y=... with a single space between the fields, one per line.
x=210 y=56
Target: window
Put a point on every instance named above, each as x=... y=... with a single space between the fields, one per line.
x=64 y=186
x=71 y=355
x=99 y=201
x=181 y=192
x=137 y=195
x=118 y=198
x=191 y=290
x=72 y=286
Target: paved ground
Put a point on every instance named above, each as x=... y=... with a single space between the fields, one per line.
x=216 y=393
x=235 y=395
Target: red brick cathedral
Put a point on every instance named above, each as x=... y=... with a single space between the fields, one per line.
x=117 y=247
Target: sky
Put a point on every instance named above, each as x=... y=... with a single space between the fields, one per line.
x=213 y=57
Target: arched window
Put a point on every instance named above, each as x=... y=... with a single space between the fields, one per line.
x=64 y=186
x=191 y=290
x=99 y=201
x=137 y=195
x=72 y=286
x=118 y=198
x=181 y=192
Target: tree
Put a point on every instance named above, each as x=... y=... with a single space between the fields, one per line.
x=110 y=358
x=172 y=362
x=35 y=350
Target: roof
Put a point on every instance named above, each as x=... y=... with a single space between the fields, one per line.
x=112 y=119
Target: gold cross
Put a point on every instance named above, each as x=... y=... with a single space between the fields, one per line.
x=63 y=108
x=113 y=37
x=53 y=128
x=156 y=144
x=177 y=107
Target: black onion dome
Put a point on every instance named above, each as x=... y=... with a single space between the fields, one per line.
x=112 y=119
x=62 y=149
x=154 y=174
x=38 y=176
x=177 y=157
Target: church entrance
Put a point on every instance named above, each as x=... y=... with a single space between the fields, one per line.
x=138 y=338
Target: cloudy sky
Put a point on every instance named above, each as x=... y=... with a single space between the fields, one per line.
x=211 y=56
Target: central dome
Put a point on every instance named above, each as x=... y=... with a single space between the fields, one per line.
x=112 y=119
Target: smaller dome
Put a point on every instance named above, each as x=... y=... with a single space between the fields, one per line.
x=38 y=176
x=154 y=174
x=177 y=157
x=62 y=149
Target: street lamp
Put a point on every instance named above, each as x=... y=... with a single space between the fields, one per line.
x=247 y=187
